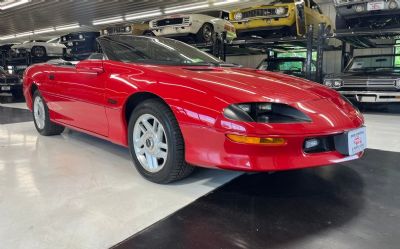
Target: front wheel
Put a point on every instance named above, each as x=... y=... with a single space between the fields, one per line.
x=156 y=143
x=206 y=33
x=41 y=117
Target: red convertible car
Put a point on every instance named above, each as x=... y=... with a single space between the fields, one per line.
x=175 y=106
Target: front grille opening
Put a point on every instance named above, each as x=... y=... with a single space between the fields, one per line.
x=324 y=144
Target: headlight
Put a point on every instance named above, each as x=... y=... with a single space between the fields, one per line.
x=238 y=16
x=128 y=29
x=265 y=113
x=359 y=8
x=333 y=83
x=80 y=36
x=328 y=83
x=393 y=5
x=280 y=11
x=64 y=38
x=105 y=32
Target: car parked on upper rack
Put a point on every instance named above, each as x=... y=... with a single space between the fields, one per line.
x=366 y=13
x=200 y=27
x=80 y=45
x=175 y=106
x=279 y=17
x=371 y=78
x=134 y=29
x=295 y=66
x=39 y=49
x=10 y=83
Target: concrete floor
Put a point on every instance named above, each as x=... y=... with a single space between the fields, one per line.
x=77 y=191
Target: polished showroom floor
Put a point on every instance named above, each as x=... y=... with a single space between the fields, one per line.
x=76 y=191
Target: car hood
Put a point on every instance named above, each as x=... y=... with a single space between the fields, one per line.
x=246 y=85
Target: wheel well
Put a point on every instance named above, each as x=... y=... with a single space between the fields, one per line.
x=135 y=99
x=33 y=89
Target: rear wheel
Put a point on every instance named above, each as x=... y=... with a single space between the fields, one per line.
x=206 y=33
x=39 y=51
x=41 y=117
x=148 y=33
x=156 y=143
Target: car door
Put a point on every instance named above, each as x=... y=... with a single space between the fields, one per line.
x=80 y=100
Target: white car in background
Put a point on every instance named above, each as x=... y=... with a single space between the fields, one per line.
x=200 y=26
x=51 y=48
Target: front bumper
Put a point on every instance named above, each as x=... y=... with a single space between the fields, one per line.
x=372 y=96
x=264 y=23
x=217 y=151
x=175 y=30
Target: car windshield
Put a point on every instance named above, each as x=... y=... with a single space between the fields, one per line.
x=389 y=63
x=152 y=50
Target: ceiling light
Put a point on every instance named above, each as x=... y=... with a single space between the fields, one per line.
x=69 y=26
x=24 y=34
x=108 y=20
x=142 y=15
x=225 y=2
x=41 y=31
x=7 y=37
x=187 y=7
x=13 y=4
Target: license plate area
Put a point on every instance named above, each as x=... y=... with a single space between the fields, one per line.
x=6 y=88
x=352 y=142
x=367 y=99
x=375 y=6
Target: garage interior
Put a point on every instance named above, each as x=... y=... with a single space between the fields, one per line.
x=80 y=191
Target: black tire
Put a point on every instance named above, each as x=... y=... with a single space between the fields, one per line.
x=50 y=128
x=205 y=33
x=341 y=23
x=148 y=33
x=175 y=167
x=38 y=51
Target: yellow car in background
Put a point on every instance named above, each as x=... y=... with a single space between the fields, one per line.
x=283 y=17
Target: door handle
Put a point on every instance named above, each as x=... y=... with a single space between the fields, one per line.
x=51 y=76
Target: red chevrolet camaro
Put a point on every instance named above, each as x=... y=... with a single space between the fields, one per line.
x=175 y=106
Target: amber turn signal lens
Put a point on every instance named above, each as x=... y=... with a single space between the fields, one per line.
x=256 y=140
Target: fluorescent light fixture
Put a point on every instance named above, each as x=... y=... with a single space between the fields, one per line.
x=24 y=34
x=108 y=20
x=13 y=4
x=7 y=37
x=41 y=31
x=142 y=15
x=69 y=26
x=187 y=7
x=225 y=2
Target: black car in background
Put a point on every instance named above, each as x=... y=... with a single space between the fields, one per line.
x=80 y=44
x=295 y=66
x=366 y=14
x=372 y=78
x=10 y=83
x=4 y=53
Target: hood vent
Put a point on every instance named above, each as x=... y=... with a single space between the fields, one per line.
x=200 y=69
